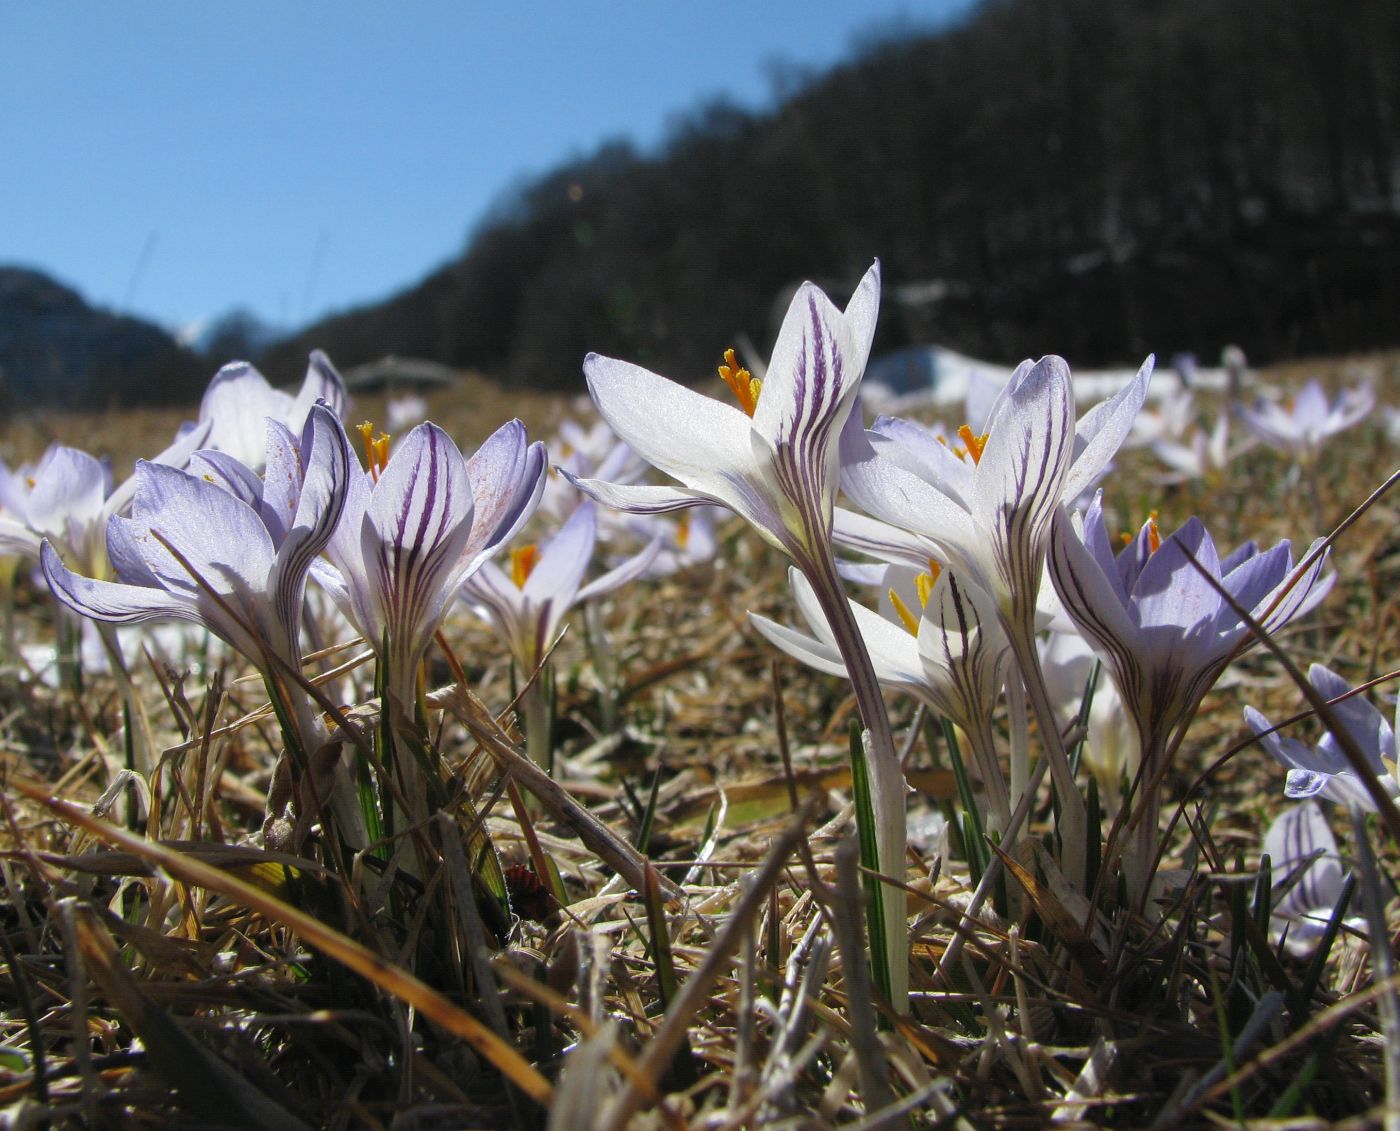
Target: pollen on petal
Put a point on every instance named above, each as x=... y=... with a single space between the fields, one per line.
x=522 y=563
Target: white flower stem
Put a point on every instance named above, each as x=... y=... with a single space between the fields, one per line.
x=1074 y=817
x=887 y=786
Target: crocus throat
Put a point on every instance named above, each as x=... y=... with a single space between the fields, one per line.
x=744 y=385
x=376 y=449
x=522 y=562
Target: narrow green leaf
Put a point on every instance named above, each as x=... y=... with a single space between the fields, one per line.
x=870 y=860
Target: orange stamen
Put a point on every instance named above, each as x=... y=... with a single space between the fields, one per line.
x=973 y=442
x=683 y=529
x=522 y=563
x=376 y=449
x=743 y=384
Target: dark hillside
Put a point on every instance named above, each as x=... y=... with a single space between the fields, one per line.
x=1098 y=179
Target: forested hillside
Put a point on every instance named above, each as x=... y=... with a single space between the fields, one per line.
x=1097 y=179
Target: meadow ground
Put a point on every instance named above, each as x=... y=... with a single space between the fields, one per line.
x=705 y=968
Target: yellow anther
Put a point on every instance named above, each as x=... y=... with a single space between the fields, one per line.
x=973 y=442
x=376 y=448
x=911 y=622
x=743 y=384
x=683 y=529
x=522 y=562
x=923 y=585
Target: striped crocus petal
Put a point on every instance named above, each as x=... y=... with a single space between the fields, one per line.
x=1308 y=878
x=507 y=474
x=317 y=469
x=808 y=391
x=323 y=384
x=110 y=601
x=171 y=520
x=964 y=650
x=779 y=469
x=705 y=444
x=1020 y=480
x=413 y=533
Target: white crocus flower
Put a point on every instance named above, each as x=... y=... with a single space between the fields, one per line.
x=988 y=514
x=774 y=460
x=239 y=401
x=934 y=638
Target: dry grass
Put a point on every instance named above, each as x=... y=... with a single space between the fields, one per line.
x=158 y=971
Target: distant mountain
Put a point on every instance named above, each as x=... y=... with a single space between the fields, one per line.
x=56 y=349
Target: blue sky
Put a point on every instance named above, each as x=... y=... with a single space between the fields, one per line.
x=177 y=160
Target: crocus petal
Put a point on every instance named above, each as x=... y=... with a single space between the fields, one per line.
x=322 y=383
x=564 y=559
x=110 y=601
x=702 y=442
x=415 y=528
x=225 y=471
x=638 y=498
x=236 y=403
x=175 y=511
x=507 y=475
x=808 y=390
x=1102 y=430
x=624 y=572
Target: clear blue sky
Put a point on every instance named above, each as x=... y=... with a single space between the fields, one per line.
x=176 y=160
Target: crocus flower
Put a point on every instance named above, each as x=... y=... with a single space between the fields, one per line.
x=417 y=524
x=67 y=499
x=527 y=607
x=239 y=399
x=1165 y=631
x=1321 y=769
x=774 y=460
x=1307 y=878
x=986 y=508
x=1304 y=423
x=1203 y=454
x=988 y=513
x=938 y=640
x=217 y=546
